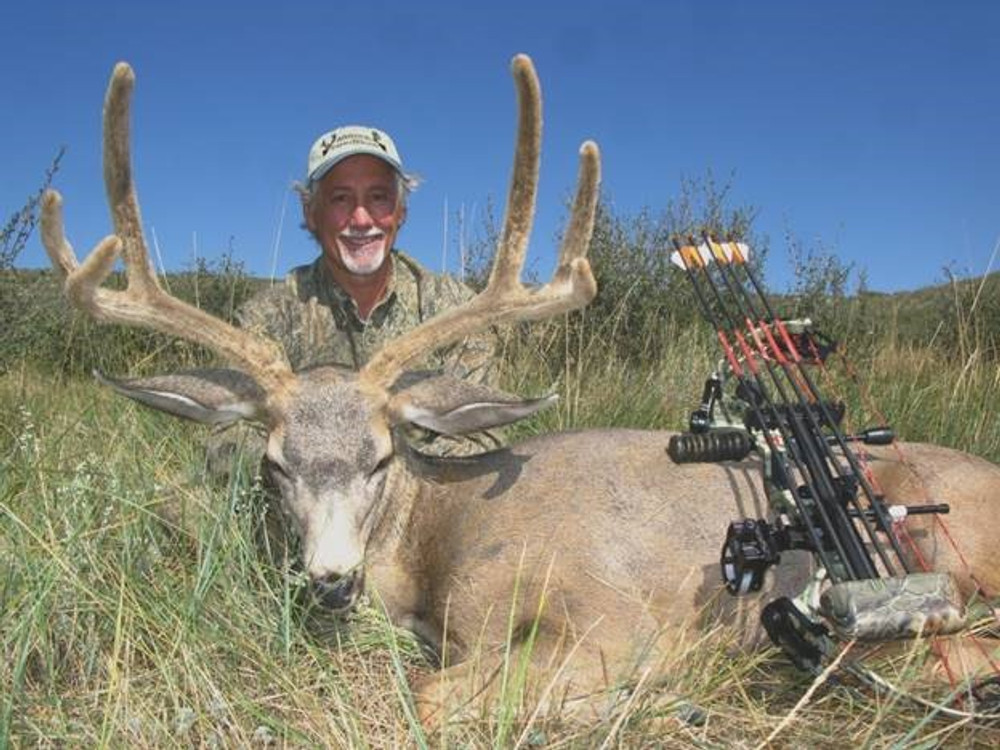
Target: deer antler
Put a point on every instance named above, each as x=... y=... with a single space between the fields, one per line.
x=144 y=303
x=505 y=299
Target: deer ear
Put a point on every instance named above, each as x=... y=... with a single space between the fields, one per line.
x=211 y=396
x=455 y=407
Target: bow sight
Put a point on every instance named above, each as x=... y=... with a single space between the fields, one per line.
x=763 y=399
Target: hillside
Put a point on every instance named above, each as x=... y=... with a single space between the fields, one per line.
x=39 y=327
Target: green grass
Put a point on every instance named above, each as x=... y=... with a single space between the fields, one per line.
x=120 y=627
x=138 y=610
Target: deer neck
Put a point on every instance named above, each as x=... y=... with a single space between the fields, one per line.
x=400 y=495
x=394 y=561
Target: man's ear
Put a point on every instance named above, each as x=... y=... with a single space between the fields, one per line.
x=451 y=406
x=307 y=214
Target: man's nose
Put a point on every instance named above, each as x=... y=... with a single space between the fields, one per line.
x=360 y=216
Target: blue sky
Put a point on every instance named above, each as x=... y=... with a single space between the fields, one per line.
x=870 y=127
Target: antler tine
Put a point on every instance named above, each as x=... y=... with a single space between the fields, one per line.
x=144 y=303
x=576 y=241
x=118 y=181
x=523 y=191
x=505 y=299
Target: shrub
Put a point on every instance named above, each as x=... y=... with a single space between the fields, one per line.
x=44 y=332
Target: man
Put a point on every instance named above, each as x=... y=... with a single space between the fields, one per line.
x=361 y=291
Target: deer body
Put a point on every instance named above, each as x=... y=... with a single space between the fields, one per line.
x=589 y=553
x=627 y=569
x=631 y=542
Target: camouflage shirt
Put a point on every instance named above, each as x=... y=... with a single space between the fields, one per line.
x=317 y=322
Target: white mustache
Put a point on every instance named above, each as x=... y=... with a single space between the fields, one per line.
x=369 y=234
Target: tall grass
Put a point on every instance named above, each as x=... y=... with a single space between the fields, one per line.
x=120 y=627
x=137 y=610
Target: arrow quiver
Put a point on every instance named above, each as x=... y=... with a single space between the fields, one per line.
x=763 y=398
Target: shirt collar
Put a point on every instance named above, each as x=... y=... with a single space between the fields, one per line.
x=331 y=294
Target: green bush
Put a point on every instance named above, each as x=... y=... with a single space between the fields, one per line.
x=643 y=300
x=42 y=330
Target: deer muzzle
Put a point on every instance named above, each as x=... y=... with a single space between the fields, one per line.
x=338 y=593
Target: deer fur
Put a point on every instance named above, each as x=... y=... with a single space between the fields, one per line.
x=590 y=554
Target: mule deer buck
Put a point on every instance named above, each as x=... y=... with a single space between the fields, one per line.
x=588 y=553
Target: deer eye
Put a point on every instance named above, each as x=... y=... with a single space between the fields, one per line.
x=382 y=464
x=277 y=470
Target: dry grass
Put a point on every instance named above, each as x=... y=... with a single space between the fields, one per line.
x=122 y=626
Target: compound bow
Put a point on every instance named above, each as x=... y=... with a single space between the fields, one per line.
x=822 y=498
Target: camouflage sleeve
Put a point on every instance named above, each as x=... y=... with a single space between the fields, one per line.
x=473 y=359
x=256 y=313
x=269 y=313
x=305 y=334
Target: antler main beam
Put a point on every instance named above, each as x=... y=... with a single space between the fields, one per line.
x=144 y=304
x=505 y=298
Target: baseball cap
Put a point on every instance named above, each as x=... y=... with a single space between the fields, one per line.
x=332 y=148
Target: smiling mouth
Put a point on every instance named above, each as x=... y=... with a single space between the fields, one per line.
x=360 y=242
x=362 y=253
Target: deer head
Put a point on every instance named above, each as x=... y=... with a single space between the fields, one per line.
x=330 y=445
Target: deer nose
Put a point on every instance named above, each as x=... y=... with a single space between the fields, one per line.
x=338 y=592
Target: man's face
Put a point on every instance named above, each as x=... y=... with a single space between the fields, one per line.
x=356 y=213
